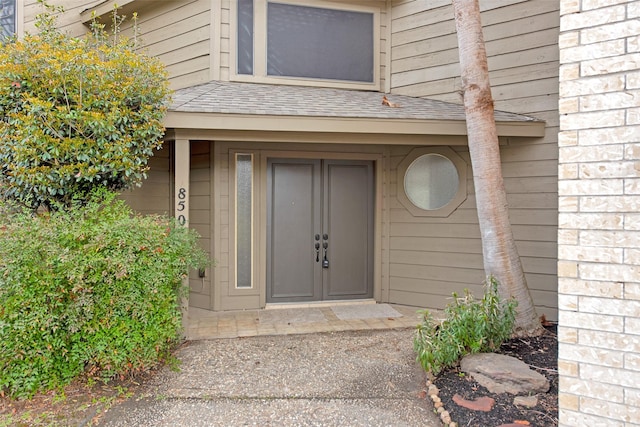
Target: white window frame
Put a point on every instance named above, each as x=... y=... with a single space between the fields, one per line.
x=260 y=49
x=234 y=158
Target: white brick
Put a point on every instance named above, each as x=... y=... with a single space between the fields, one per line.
x=596 y=4
x=612 y=340
x=610 y=203
x=608 y=375
x=568 y=171
x=587 y=86
x=569 y=6
x=585 y=354
x=610 y=101
x=567 y=302
x=632 y=221
x=568 y=204
x=567 y=335
x=609 y=170
x=590 y=389
x=587 y=254
x=613 y=272
x=568 y=237
x=632 y=186
x=600 y=119
x=632 y=326
x=633 y=80
x=569 y=72
x=632 y=291
x=611 y=410
x=632 y=396
x=632 y=256
x=632 y=151
x=567 y=269
x=618 y=30
x=632 y=361
x=621 y=135
x=591 y=321
x=569 y=39
x=620 y=307
x=615 y=239
x=593 y=186
x=592 y=51
x=592 y=18
x=591 y=221
x=577 y=419
x=615 y=64
x=633 y=44
x=633 y=10
x=569 y=105
x=593 y=153
x=591 y=288
x=633 y=116
x=568 y=138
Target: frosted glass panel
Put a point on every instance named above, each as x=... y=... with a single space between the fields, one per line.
x=431 y=181
x=245 y=37
x=319 y=43
x=244 y=229
x=7 y=19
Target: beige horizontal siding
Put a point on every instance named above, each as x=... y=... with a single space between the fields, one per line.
x=521 y=40
x=153 y=197
x=200 y=218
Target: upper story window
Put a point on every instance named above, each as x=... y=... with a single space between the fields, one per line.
x=323 y=43
x=7 y=19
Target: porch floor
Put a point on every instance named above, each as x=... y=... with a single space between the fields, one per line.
x=305 y=319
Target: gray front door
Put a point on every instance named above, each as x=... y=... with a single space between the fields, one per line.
x=320 y=235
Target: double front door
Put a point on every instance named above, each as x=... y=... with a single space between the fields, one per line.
x=320 y=230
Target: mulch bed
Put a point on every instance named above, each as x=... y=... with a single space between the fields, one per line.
x=541 y=353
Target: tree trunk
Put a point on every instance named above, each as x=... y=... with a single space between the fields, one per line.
x=500 y=254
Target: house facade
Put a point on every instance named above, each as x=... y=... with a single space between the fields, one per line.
x=319 y=170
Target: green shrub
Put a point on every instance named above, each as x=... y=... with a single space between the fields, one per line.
x=470 y=326
x=94 y=289
x=76 y=113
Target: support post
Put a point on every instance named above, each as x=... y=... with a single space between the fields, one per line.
x=182 y=155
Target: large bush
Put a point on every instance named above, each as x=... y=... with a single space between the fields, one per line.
x=92 y=289
x=470 y=326
x=76 y=113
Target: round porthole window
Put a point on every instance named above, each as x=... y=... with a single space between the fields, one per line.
x=433 y=182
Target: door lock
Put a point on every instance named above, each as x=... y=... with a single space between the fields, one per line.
x=325 y=261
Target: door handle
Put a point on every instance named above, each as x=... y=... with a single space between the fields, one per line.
x=317 y=252
x=325 y=261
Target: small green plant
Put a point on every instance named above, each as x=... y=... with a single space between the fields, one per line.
x=470 y=326
x=93 y=289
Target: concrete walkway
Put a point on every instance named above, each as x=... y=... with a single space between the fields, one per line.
x=286 y=319
x=349 y=365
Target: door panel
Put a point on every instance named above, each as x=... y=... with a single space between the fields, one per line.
x=293 y=220
x=348 y=222
x=309 y=200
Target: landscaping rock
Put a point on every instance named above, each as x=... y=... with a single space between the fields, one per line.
x=484 y=404
x=500 y=374
x=526 y=401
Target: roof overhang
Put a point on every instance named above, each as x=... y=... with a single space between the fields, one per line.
x=282 y=113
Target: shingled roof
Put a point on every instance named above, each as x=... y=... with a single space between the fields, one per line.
x=280 y=100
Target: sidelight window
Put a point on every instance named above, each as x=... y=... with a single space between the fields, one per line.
x=244 y=220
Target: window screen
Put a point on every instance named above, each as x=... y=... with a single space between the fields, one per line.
x=319 y=43
x=7 y=19
x=245 y=37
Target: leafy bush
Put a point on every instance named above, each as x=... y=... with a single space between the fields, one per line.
x=76 y=113
x=94 y=289
x=470 y=326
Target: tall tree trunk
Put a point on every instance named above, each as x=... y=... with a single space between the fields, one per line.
x=501 y=258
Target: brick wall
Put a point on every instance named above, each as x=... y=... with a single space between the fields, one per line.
x=599 y=218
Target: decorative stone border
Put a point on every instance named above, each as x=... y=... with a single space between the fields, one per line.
x=445 y=417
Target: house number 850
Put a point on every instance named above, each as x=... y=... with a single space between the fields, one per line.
x=182 y=196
